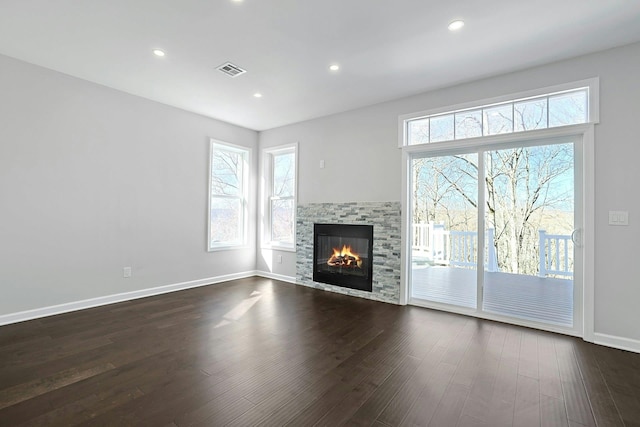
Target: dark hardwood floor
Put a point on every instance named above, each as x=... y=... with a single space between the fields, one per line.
x=262 y=352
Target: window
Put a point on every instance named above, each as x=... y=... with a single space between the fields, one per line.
x=279 y=173
x=541 y=111
x=227 y=196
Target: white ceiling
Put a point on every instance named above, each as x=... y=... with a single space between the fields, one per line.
x=386 y=48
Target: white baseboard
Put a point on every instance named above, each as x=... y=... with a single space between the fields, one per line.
x=281 y=277
x=617 y=342
x=37 y=313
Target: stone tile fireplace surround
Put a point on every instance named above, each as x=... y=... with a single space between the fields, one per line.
x=385 y=218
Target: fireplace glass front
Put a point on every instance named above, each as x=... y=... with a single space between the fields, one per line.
x=343 y=255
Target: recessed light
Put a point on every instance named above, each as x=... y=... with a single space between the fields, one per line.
x=456 y=25
x=334 y=67
x=158 y=52
x=257 y=95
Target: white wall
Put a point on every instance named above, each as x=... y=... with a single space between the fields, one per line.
x=360 y=146
x=361 y=157
x=91 y=180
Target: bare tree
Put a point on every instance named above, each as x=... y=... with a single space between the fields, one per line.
x=520 y=187
x=226 y=169
x=521 y=184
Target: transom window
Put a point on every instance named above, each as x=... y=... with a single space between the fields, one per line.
x=228 y=187
x=562 y=108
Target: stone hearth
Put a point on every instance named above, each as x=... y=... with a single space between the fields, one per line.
x=386 y=220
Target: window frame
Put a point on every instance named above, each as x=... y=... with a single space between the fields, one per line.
x=591 y=85
x=245 y=153
x=587 y=133
x=267 y=198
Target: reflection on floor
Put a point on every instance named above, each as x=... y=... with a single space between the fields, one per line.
x=534 y=298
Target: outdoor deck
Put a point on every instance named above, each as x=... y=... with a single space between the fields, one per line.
x=527 y=297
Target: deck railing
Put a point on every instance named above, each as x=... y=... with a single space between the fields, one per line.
x=459 y=248
x=554 y=255
x=451 y=247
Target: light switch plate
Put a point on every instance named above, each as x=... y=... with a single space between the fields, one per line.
x=618 y=218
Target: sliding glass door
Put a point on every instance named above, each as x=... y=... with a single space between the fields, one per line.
x=496 y=230
x=530 y=220
x=445 y=229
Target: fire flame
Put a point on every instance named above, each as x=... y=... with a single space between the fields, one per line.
x=344 y=257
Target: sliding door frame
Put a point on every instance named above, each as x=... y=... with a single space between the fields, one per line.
x=584 y=161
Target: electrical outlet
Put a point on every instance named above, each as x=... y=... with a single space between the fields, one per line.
x=279 y=259
x=126 y=272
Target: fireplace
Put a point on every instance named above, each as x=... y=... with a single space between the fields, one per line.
x=343 y=255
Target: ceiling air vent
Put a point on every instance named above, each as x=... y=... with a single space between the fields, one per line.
x=231 y=70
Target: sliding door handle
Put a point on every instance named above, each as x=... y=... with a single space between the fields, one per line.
x=575 y=237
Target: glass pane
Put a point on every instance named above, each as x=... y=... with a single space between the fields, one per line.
x=498 y=119
x=568 y=108
x=284 y=174
x=419 y=131
x=441 y=128
x=282 y=220
x=529 y=220
x=226 y=172
x=530 y=114
x=468 y=124
x=226 y=221
x=444 y=230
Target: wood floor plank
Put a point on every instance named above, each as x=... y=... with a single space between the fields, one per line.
x=398 y=407
x=527 y=403
x=450 y=406
x=552 y=412
x=574 y=393
x=504 y=391
x=261 y=352
x=469 y=421
x=270 y=404
x=338 y=404
x=424 y=407
x=292 y=408
x=367 y=413
x=69 y=414
x=549 y=375
x=621 y=372
x=29 y=390
x=528 y=362
x=602 y=404
x=477 y=408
